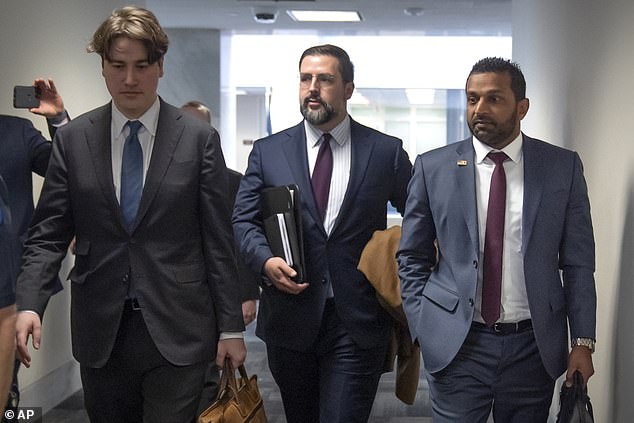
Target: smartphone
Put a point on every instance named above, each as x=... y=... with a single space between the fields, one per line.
x=26 y=97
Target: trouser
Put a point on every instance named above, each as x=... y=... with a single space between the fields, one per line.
x=503 y=372
x=333 y=382
x=137 y=384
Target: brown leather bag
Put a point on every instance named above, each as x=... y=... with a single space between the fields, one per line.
x=239 y=401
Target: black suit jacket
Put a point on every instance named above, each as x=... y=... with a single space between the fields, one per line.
x=380 y=170
x=179 y=253
x=249 y=286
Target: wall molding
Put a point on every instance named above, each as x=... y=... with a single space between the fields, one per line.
x=53 y=388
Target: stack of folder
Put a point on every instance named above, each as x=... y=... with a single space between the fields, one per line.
x=281 y=211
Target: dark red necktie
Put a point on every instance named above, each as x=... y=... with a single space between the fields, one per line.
x=493 y=242
x=322 y=174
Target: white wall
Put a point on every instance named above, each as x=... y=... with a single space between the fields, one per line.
x=578 y=62
x=48 y=39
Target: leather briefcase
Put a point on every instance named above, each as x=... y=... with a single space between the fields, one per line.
x=239 y=400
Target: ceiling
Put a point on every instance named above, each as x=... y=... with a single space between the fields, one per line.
x=379 y=17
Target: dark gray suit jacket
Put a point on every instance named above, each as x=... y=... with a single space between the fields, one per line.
x=438 y=297
x=179 y=253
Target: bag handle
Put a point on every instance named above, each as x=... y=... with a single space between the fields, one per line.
x=228 y=380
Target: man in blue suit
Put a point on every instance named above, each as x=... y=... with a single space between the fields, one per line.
x=7 y=297
x=24 y=151
x=327 y=335
x=481 y=278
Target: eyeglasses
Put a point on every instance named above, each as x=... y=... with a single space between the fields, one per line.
x=324 y=79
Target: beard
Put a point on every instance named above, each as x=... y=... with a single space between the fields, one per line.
x=319 y=116
x=497 y=134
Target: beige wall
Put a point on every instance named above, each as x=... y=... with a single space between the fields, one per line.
x=579 y=67
x=48 y=39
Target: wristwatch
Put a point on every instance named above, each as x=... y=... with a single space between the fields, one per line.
x=585 y=342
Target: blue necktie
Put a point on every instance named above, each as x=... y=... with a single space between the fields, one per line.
x=131 y=174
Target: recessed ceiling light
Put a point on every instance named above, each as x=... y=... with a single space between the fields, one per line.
x=324 y=15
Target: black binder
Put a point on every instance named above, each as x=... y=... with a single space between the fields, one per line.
x=281 y=212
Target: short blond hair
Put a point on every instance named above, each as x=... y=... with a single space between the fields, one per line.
x=131 y=22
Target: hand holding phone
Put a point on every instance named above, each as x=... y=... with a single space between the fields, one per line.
x=26 y=97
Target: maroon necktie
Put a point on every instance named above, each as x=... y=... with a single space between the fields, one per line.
x=493 y=242
x=322 y=174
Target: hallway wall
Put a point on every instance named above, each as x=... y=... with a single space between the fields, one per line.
x=576 y=55
x=48 y=39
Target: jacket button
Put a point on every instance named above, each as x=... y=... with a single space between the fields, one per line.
x=475 y=264
x=471 y=302
x=324 y=280
x=125 y=278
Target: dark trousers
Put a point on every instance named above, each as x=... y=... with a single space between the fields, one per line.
x=210 y=388
x=334 y=382
x=500 y=371
x=137 y=384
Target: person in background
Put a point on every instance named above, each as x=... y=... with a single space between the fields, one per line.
x=248 y=280
x=153 y=292
x=7 y=296
x=198 y=109
x=24 y=151
x=497 y=261
x=326 y=336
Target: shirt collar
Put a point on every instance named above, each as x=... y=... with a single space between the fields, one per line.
x=338 y=133
x=149 y=119
x=513 y=150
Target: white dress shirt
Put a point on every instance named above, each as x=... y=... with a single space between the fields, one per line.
x=514 y=306
x=341 y=159
x=146 y=134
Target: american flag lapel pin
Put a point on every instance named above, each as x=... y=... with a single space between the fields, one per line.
x=461 y=162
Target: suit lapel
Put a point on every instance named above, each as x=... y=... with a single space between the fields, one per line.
x=168 y=133
x=533 y=187
x=297 y=158
x=98 y=137
x=464 y=173
x=361 y=151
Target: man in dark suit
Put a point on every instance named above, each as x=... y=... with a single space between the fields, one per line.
x=490 y=223
x=141 y=187
x=326 y=336
x=24 y=150
x=247 y=279
x=7 y=296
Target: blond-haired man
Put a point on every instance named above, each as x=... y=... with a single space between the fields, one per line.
x=140 y=186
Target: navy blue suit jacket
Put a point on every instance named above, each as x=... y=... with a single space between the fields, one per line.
x=23 y=150
x=379 y=173
x=438 y=296
x=7 y=244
